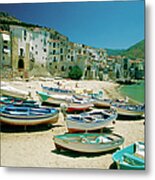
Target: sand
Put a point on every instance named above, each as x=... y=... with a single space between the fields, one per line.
x=34 y=147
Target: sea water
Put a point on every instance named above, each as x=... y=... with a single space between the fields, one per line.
x=134 y=91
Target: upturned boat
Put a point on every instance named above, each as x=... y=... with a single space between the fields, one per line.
x=128 y=110
x=90 y=121
x=88 y=142
x=14 y=92
x=131 y=157
x=71 y=103
x=28 y=116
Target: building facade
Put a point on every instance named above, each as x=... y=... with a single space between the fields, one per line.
x=23 y=47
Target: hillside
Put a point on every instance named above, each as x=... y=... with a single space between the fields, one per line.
x=135 y=51
x=6 y=20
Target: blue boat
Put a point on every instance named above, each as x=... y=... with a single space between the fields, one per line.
x=28 y=116
x=131 y=157
x=6 y=100
x=90 y=121
x=56 y=90
x=129 y=110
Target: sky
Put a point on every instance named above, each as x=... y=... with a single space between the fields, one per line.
x=114 y=24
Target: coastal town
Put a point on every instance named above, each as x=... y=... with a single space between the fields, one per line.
x=61 y=104
x=25 y=49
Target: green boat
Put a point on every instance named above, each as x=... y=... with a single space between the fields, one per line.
x=130 y=157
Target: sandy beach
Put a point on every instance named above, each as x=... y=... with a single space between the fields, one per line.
x=34 y=147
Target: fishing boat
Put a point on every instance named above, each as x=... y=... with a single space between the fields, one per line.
x=131 y=157
x=90 y=121
x=14 y=92
x=71 y=103
x=128 y=110
x=102 y=103
x=54 y=99
x=88 y=142
x=6 y=100
x=28 y=116
x=52 y=90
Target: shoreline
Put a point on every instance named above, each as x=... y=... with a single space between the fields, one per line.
x=35 y=147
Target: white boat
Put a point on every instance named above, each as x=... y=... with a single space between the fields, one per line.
x=88 y=142
x=14 y=92
x=128 y=110
x=90 y=121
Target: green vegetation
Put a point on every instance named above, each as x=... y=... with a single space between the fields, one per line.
x=134 y=52
x=75 y=73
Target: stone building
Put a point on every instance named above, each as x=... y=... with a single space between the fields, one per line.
x=5 y=49
x=24 y=47
x=5 y=55
x=20 y=38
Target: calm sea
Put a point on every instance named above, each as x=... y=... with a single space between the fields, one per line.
x=135 y=91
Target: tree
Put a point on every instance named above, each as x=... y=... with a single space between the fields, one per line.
x=75 y=73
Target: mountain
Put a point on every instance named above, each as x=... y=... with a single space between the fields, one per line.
x=114 y=52
x=133 y=52
x=136 y=51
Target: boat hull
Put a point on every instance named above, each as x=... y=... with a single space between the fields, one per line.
x=75 y=124
x=75 y=144
x=13 y=92
x=101 y=104
x=28 y=120
x=71 y=107
x=124 y=112
x=136 y=163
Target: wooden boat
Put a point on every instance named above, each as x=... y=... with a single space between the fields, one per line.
x=52 y=90
x=71 y=103
x=14 y=92
x=88 y=142
x=128 y=110
x=90 y=121
x=53 y=99
x=6 y=100
x=130 y=157
x=28 y=116
x=102 y=103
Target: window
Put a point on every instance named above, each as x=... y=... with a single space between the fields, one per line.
x=72 y=58
x=21 y=52
x=54 y=51
x=25 y=35
x=61 y=50
x=45 y=50
x=61 y=58
x=62 y=68
x=36 y=52
x=54 y=44
x=20 y=64
x=54 y=59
